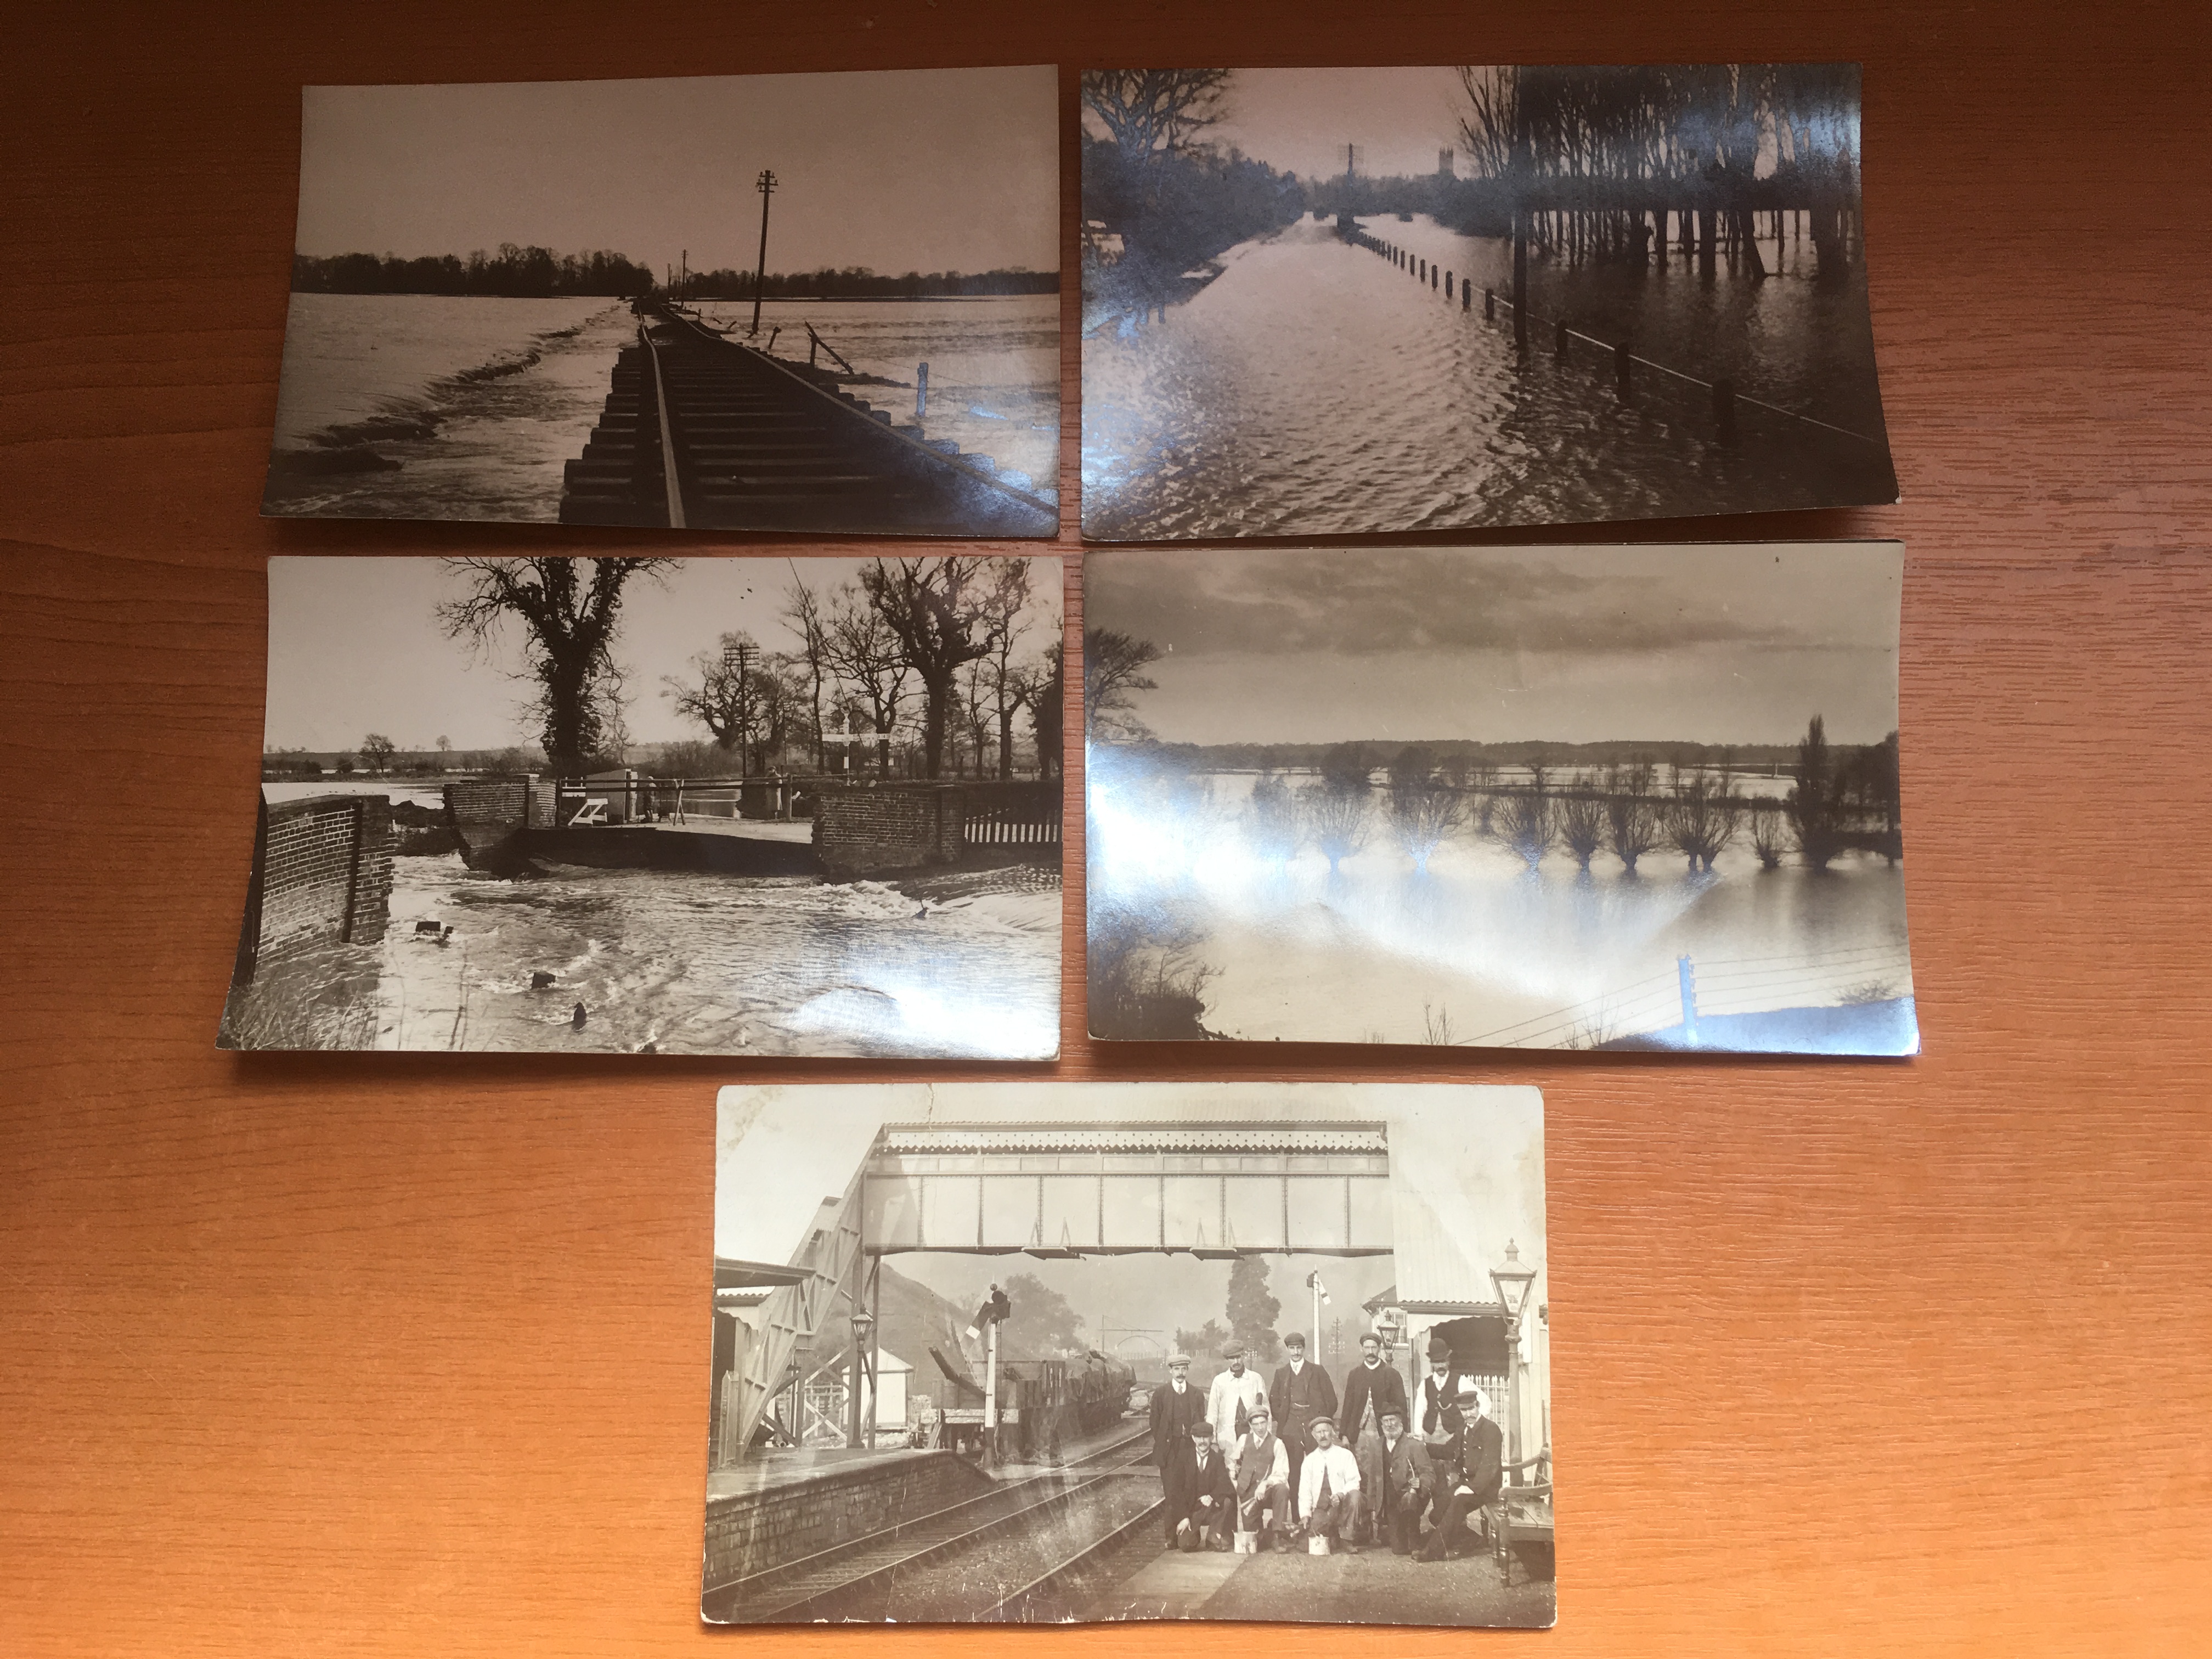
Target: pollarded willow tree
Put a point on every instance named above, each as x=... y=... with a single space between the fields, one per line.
x=568 y=609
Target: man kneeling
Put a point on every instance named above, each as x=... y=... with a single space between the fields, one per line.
x=1328 y=1487
x=1210 y=1493
x=1262 y=1467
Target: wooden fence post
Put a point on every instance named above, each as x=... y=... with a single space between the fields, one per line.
x=1489 y=306
x=1559 y=340
x=1620 y=362
x=1466 y=294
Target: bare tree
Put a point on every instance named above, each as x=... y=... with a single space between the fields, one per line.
x=1423 y=807
x=1701 y=817
x=944 y=613
x=1113 y=668
x=1766 y=828
x=1150 y=112
x=1336 y=813
x=1633 y=820
x=569 y=607
x=1581 y=818
x=1048 y=705
x=802 y=613
x=860 y=649
x=1526 y=821
x=376 y=751
x=1271 y=818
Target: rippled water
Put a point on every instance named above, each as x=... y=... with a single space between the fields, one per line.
x=993 y=367
x=1314 y=388
x=1554 y=959
x=508 y=389
x=698 y=964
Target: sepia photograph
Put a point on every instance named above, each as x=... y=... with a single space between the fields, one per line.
x=813 y=303
x=1511 y=798
x=1065 y=1352
x=803 y=807
x=1329 y=301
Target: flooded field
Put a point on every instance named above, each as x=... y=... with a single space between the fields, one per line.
x=1482 y=949
x=1312 y=387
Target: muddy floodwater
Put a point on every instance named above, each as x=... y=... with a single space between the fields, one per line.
x=1313 y=387
x=957 y=966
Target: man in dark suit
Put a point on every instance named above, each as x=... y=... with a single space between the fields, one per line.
x=1474 y=1480
x=1370 y=1388
x=1210 y=1499
x=1406 y=1480
x=1300 y=1393
x=1177 y=1409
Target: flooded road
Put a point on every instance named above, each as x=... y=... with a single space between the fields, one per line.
x=1314 y=388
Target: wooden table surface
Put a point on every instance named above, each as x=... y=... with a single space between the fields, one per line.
x=407 y=1354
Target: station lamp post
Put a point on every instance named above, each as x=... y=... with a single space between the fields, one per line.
x=1513 y=1282
x=856 y=1427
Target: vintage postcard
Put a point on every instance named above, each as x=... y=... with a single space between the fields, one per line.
x=720 y=806
x=820 y=303
x=1071 y=1352
x=1324 y=302
x=1508 y=797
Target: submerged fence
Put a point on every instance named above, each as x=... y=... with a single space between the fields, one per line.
x=1724 y=399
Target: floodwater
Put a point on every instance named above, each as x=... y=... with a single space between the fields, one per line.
x=993 y=367
x=1314 y=388
x=960 y=967
x=1480 y=950
x=438 y=407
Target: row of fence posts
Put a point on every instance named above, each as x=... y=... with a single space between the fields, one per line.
x=1423 y=271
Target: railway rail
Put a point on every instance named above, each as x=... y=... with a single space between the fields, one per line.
x=703 y=432
x=860 y=1578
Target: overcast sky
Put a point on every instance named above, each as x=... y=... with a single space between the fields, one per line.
x=901 y=170
x=354 y=647
x=1300 y=119
x=1693 y=643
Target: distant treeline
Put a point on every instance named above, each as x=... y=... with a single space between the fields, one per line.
x=517 y=273
x=1280 y=757
x=858 y=282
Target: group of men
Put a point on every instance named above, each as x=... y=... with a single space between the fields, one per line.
x=1282 y=1460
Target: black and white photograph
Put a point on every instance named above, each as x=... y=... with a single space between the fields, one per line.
x=1067 y=1353
x=1536 y=797
x=811 y=303
x=1329 y=301
x=803 y=807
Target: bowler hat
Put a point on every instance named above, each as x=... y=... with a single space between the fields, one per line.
x=1440 y=1349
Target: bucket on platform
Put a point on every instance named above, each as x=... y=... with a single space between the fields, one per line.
x=1248 y=1543
x=1318 y=1544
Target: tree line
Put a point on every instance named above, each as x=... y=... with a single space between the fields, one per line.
x=1839 y=800
x=512 y=272
x=937 y=650
x=858 y=282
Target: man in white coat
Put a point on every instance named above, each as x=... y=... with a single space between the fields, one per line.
x=1328 y=1487
x=1234 y=1393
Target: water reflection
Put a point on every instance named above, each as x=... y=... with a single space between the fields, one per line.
x=1312 y=387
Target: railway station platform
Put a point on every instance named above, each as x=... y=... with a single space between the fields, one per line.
x=781 y=1507
x=1373 y=1587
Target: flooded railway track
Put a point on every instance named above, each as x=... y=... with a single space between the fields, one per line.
x=700 y=431
x=997 y=1556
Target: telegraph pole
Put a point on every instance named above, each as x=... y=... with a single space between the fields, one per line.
x=766 y=185
x=735 y=659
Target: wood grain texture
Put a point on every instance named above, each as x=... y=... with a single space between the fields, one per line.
x=408 y=1354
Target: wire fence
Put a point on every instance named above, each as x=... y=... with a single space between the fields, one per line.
x=1708 y=989
x=1725 y=399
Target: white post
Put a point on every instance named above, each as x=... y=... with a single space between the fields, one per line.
x=991 y=1395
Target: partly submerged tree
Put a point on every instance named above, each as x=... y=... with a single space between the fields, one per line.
x=1526 y=820
x=1424 y=807
x=1701 y=815
x=1271 y=818
x=1631 y=817
x=1815 y=807
x=568 y=608
x=1582 y=818
x=1767 y=825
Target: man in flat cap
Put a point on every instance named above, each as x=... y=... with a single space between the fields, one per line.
x=1263 y=1480
x=1176 y=1407
x=1370 y=1388
x=1230 y=1400
x=1474 y=1477
x=1211 y=1498
x=1300 y=1393
x=1328 y=1486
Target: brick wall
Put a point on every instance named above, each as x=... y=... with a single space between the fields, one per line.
x=485 y=812
x=751 y=1532
x=900 y=827
x=322 y=871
